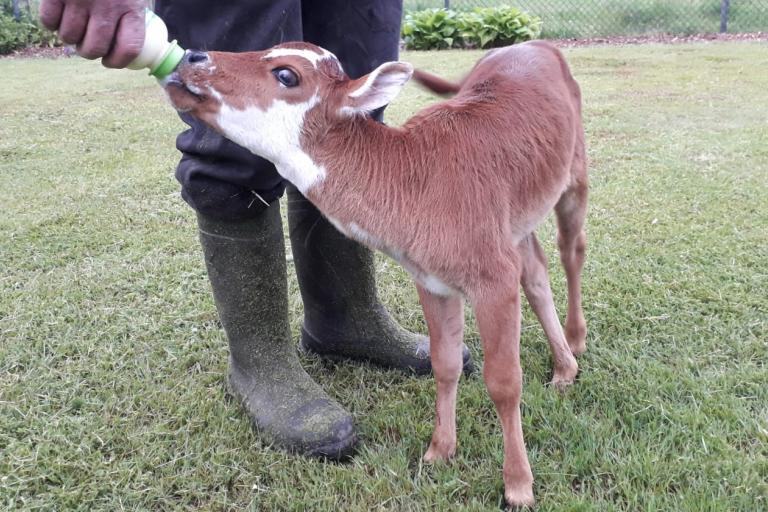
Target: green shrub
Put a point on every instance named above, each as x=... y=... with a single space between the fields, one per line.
x=432 y=29
x=24 y=32
x=500 y=26
x=14 y=35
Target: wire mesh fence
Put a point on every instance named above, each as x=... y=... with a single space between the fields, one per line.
x=592 y=18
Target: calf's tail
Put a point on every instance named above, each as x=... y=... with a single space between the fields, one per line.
x=437 y=85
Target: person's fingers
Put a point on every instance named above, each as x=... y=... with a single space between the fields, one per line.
x=128 y=41
x=99 y=36
x=50 y=13
x=73 y=24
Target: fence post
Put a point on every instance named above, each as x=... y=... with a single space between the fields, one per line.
x=725 y=7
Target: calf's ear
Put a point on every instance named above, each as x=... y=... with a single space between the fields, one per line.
x=377 y=89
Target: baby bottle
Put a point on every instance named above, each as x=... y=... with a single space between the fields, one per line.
x=159 y=55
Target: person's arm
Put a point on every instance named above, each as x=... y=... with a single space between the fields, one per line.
x=112 y=30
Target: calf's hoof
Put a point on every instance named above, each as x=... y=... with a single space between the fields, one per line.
x=576 y=334
x=521 y=497
x=561 y=384
x=578 y=349
x=440 y=451
x=563 y=378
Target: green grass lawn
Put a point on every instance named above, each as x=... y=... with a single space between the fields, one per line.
x=580 y=18
x=112 y=360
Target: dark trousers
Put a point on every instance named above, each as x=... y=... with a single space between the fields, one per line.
x=219 y=178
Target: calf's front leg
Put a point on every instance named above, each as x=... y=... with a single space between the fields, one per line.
x=445 y=321
x=498 y=320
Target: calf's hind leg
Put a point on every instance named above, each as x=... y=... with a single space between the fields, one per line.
x=535 y=281
x=498 y=320
x=445 y=321
x=572 y=242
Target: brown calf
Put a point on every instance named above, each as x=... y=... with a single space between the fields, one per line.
x=454 y=195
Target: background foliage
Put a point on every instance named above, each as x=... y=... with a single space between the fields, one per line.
x=593 y=18
x=25 y=31
x=435 y=29
x=560 y=19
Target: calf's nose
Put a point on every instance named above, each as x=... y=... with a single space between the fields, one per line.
x=195 y=57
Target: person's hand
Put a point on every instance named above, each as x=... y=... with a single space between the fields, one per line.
x=110 y=29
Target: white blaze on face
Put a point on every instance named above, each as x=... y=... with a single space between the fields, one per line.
x=274 y=134
x=312 y=57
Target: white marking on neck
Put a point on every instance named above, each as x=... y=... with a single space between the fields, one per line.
x=310 y=55
x=275 y=134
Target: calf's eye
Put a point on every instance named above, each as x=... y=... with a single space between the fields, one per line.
x=286 y=77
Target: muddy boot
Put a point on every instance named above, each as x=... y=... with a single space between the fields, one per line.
x=246 y=267
x=343 y=318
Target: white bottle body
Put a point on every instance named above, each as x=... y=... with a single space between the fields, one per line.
x=156 y=43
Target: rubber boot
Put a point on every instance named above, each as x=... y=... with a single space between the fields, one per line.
x=246 y=267
x=343 y=318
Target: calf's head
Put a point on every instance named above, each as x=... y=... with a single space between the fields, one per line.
x=262 y=100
